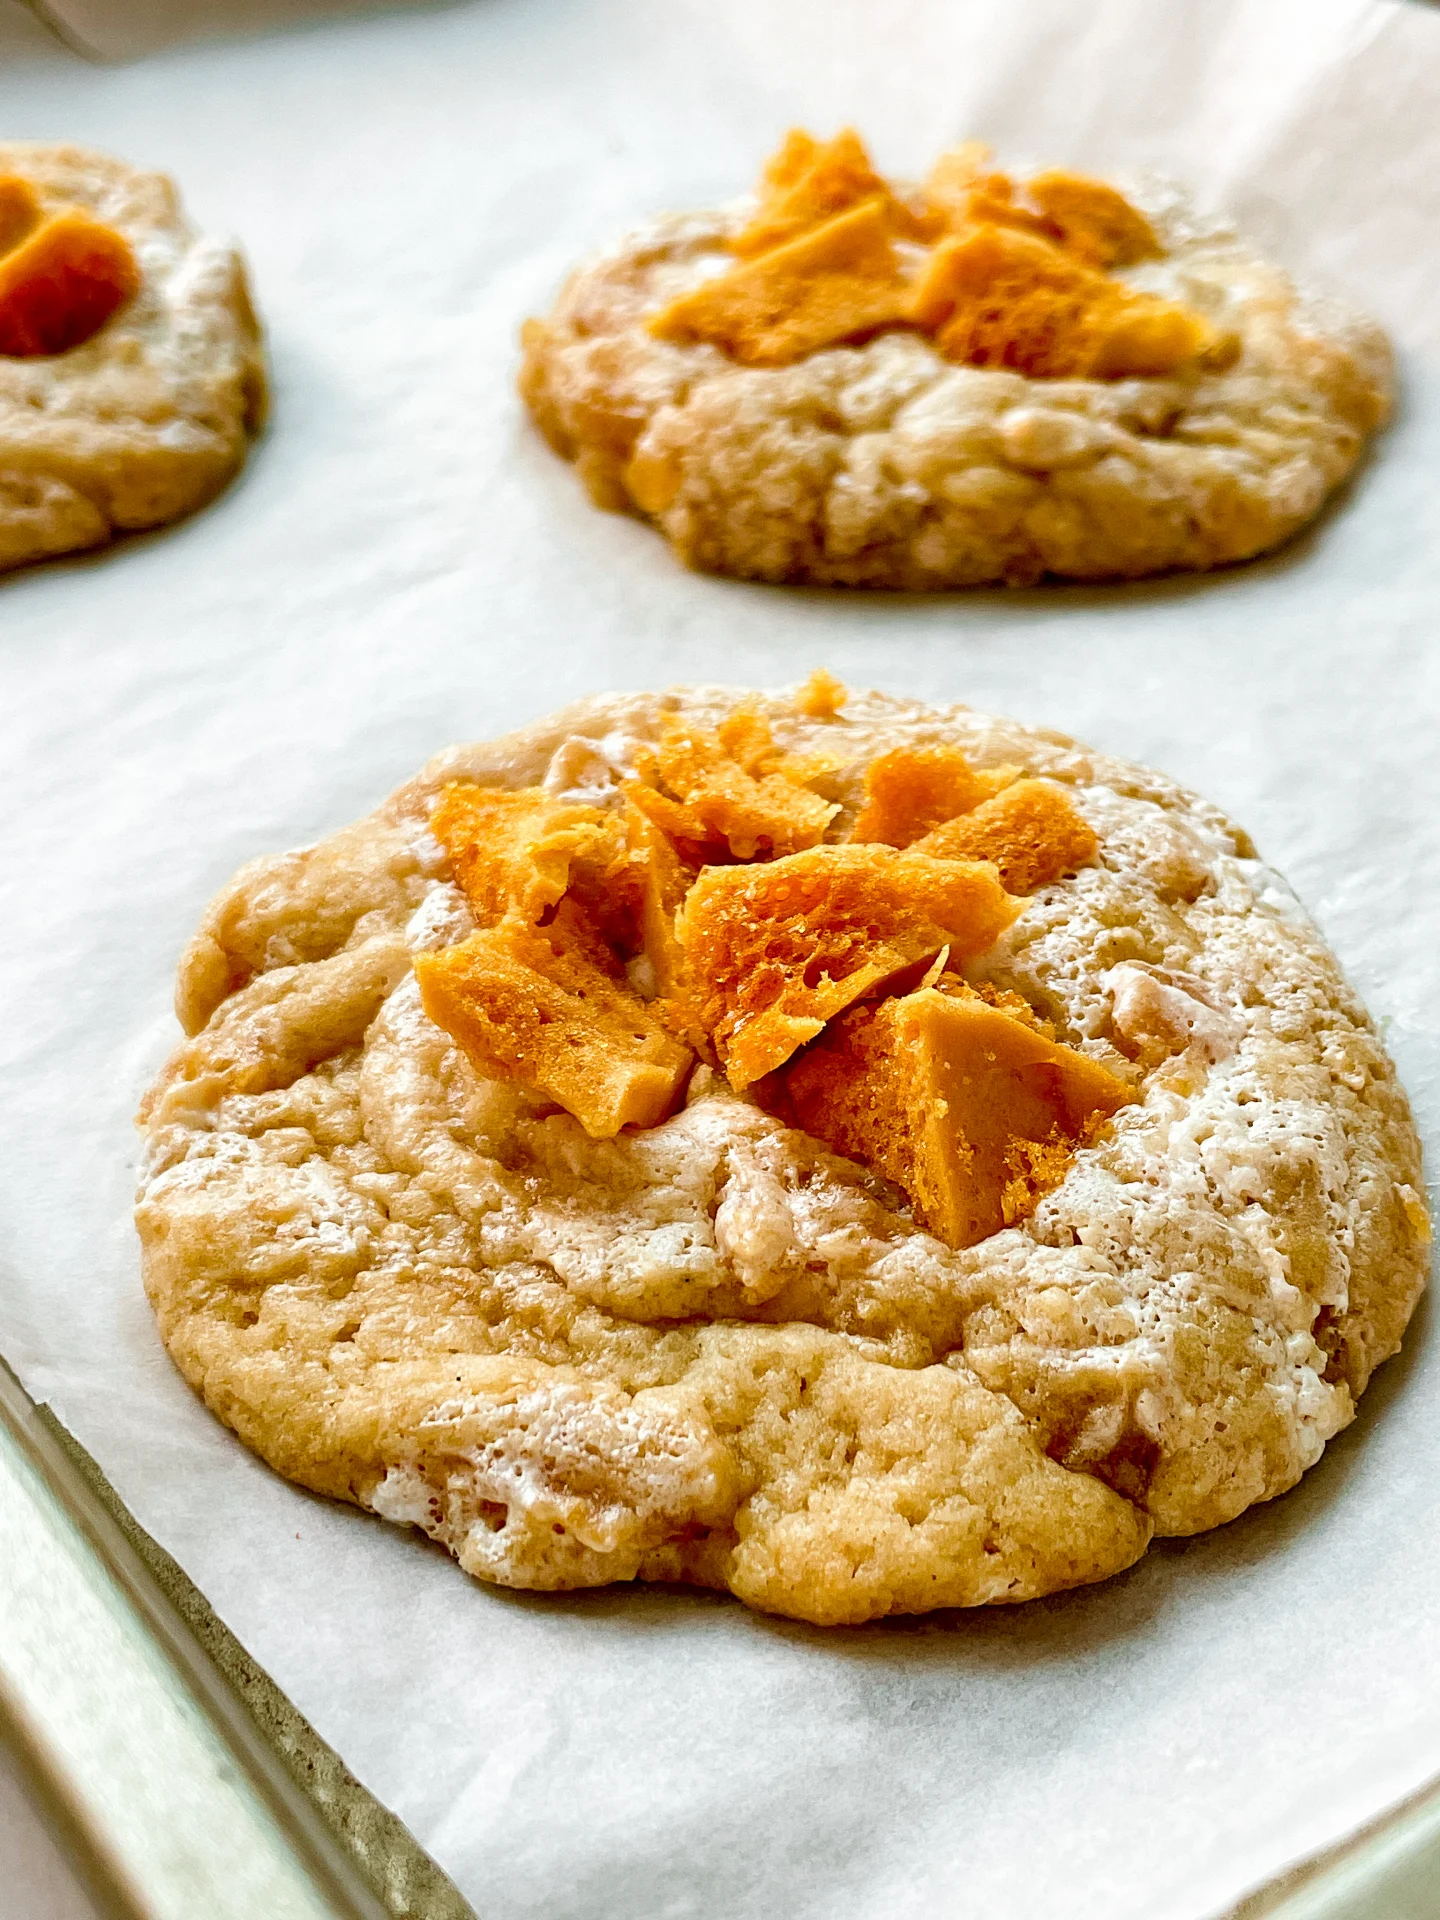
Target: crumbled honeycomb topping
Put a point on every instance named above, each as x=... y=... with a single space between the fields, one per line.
x=513 y=852
x=705 y=913
x=531 y=1004
x=61 y=278
x=807 y=183
x=773 y=951
x=972 y=1110
x=838 y=281
x=995 y=296
x=821 y=697
x=19 y=211
x=1030 y=830
x=652 y=886
x=565 y=895
x=997 y=276
x=732 y=794
x=909 y=790
x=1094 y=221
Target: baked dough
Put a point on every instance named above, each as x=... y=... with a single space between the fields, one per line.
x=147 y=419
x=883 y=464
x=711 y=1350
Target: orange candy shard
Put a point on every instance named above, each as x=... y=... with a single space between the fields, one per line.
x=832 y=283
x=645 y=893
x=513 y=850
x=775 y=951
x=952 y=179
x=1086 y=217
x=1022 y=281
x=546 y=1005
x=961 y=1097
x=520 y=853
x=973 y=1112
x=822 y=696
x=1093 y=220
x=995 y=297
x=730 y=793
x=991 y=200
x=527 y=1004
x=1031 y=830
x=61 y=283
x=20 y=211
x=909 y=790
x=808 y=182
x=793 y=158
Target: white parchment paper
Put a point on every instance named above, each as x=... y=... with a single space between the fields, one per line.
x=404 y=563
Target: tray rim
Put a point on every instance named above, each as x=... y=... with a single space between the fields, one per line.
x=83 y=1718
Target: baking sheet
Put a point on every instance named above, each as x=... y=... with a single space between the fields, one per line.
x=404 y=563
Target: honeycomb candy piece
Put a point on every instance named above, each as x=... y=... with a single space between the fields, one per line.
x=20 y=211
x=805 y=184
x=909 y=790
x=991 y=200
x=1095 y=222
x=745 y=735
x=1031 y=831
x=833 y=283
x=513 y=850
x=973 y=1112
x=730 y=794
x=808 y=182
x=62 y=283
x=613 y=877
x=822 y=696
x=996 y=297
x=773 y=952
x=1146 y=338
x=1088 y=217
x=525 y=1003
x=656 y=884
x=793 y=158
x=953 y=177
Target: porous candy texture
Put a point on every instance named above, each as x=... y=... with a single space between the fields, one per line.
x=715 y=1348
x=847 y=380
x=972 y=1111
x=774 y=951
x=131 y=372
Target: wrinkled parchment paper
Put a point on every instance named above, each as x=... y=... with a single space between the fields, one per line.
x=404 y=563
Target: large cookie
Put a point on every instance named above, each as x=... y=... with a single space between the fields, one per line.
x=929 y=389
x=147 y=415
x=704 y=1345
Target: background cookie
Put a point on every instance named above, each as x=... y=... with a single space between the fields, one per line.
x=711 y=1349
x=762 y=446
x=145 y=418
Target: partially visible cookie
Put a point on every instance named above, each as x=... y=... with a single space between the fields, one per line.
x=131 y=371
x=854 y=381
x=865 y=1156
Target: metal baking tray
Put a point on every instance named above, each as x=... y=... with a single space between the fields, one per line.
x=179 y=1781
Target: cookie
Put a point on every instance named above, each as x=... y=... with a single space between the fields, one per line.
x=131 y=372
x=866 y=1156
x=855 y=382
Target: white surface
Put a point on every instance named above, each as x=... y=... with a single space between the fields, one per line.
x=404 y=563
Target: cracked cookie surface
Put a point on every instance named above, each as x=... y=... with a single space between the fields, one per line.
x=713 y=1349
x=146 y=419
